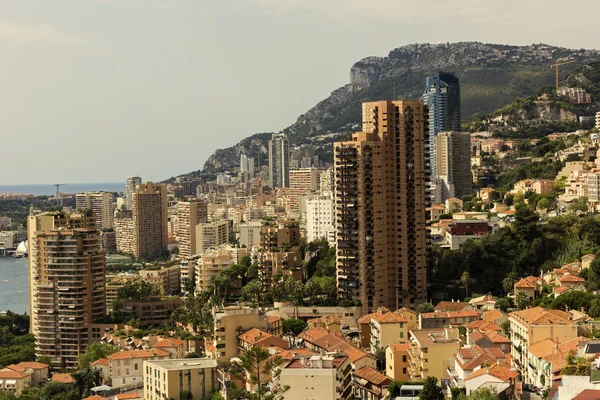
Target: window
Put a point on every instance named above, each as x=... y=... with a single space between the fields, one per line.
x=135 y=367
x=404 y=359
x=403 y=370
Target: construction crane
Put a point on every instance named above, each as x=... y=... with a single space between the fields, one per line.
x=58 y=198
x=558 y=64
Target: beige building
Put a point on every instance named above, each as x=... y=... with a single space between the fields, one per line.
x=533 y=325
x=14 y=382
x=397 y=362
x=231 y=322
x=380 y=194
x=102 y=206
x=167 y=278
x=453 y=165
x=189 y=214
x=67 y=284
x=303 y=181
x=211 y=235
x=386 y=329
x=250 y=233
x=279 y=235
x=430 y=352
x=214 y=261
x=126 y=367
x=324 y=377
x=143 y=231
x=167 y=379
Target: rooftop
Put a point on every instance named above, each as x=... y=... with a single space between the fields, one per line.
x=541 y=316
x=499 y=371
x=186 y=363
x=371 y=375
x=122 y=355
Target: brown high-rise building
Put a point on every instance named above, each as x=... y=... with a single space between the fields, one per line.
x=452 y=165
x=381 y=196
x=67 y=284
x=143 y=232
x=189 y=214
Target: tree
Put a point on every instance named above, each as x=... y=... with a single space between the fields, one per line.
x=252 y=291
x=293 y=325
x=186 y=395
x=431 y=390
x=95 y=351
x=380 y=358
x=502 y=304
x=425 y=308
x=465 y=279
x=394 y=388
x=508 y=283
x=189 y=286
x=86 y=379
x=526 y=222
x=594 y=311
x=483 y=394
x=138 y=290
x=574 y=300
x=257 y=365
x=521 y=300
x=544 y=204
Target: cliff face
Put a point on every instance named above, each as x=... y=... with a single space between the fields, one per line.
x=491 y=76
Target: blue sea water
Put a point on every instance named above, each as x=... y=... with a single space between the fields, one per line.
x=14 y=294
x=49 y=190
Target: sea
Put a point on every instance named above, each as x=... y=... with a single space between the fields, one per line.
x=50 y=190
x=14 y=285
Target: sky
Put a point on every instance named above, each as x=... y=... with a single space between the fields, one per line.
x=97 y=90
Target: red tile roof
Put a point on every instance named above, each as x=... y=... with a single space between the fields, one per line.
x=542 y=316
x=450 y=306
x=32 y=365
x=12 y=374
x=128 y=396
x=527 y=282
x=169 y=342
x=254 y=335
x=122 y=355
x=63 y=378
x=498 y=371
x=492 y=315
x=372 y=376
x=101 y=361
x=571 y=278
x=95 y=397
x=289 y=354
x=389 y=317
x=400 y=347
x=588 y=394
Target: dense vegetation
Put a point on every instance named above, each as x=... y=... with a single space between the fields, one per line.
x=16 y=344
x=18 y=210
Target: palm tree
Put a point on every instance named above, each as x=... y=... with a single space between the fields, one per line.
x=508 y=283
x=465 y=279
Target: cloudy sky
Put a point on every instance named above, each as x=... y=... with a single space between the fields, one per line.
x=95 y=90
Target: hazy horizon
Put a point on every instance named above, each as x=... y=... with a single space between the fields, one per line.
x=97 y=90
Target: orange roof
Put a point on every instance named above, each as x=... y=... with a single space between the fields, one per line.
x=483 y=326
x=101 y=361
x=327 y=320
x=32 y=365
x=527 y=282
x=366 y=319
x=63 y=378
x=400 y=347
x=573 y=343
x=562 y=289
x=289 y=354
x=450 y=314
x=542 y=348
x=354 y=354
x=273 y=318
x=122 y=355
x=558 y=359
x=371 y=375
x=571 y=278
x=15 y=367
x=588 y=394
x=125 y=396
x=492 y=315
x=496 y=337
x=95 y=397
x=542 y=316
x=589 y=256
x=389 y=317
x=498 y=371
x=12 y=374
x=450 y=306
x=254 y=336
x=169 y=342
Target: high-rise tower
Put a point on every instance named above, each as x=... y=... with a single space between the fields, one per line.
x=67 y=284
x=190 y=214
x=442 y=97
x=130 y=185
x=381 y=184
x=101 y=204
x=279 y=161
x=452 y=165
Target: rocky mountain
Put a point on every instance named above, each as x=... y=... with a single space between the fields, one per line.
x=491 y=76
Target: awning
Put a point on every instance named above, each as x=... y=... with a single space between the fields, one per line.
x=11 y=382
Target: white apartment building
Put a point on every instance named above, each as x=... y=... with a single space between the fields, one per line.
x=250 y=233
x=126 y=366
x=318 y=216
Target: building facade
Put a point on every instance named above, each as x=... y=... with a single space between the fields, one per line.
x=318 y=214
x=189 y=214
x=131 y=184
x=168 y=379
x=211 y=235
x=102 y=206
x=279 y=161
x=302 y=182
x=452 y=166
x=381 y=183
x=67 y=284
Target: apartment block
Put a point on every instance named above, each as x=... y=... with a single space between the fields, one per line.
x=126 y=367
x=397 y=362
x=279 y=161
x=386 y=329
x=250 y=233
x=131 y=184
x=214 y=261
x=318 y=214
x=67 y=284
x=382 y=180
x=279 y=235
x=167 y=278
x=167 y=379
x=302 y=182
x=430 y=352
x=229 y=323
x=452 y=166
x=189 y=214
x=211 y=235
x=102 y=206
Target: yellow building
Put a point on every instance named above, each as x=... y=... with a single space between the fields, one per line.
x=397 y=362
x=386 y=329
x=189 y=214
x=167 y=278
x=167 y=379
x=101 y=205
x=231 y=322
x=14 y=382
x=430 y=352
x=211 y=235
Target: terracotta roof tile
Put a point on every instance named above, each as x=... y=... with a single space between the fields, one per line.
x=122 y=355
x=542 y=348
x=483 y=326
x=498 y=371
x=542 y=316
x=95 y=397
x=32 y=365
x=63 y=378
x=169 y=342
x=366 y=319
x=372 y=375
x=588 y=394
x=450 y=306
x=495 y=337
x=389 y=317
x=492 y=315
x=101 y=361
x=128 y=396
x=12 y=374
x=527 y=282
x=289 y=354
x=571 y=278
x=254 y=336
x=273 y=318
x=400 y=347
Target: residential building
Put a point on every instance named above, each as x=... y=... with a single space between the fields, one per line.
x=126 y=367
x=430 y=352
x=14 y=382
x=279 y=161
x=459 y=231
x=318 y=214
x=101 y=205
x=254 y=337
x=533 y=325
x=167 y=278
x=153 y=311
x=250 y=233
x=467 y=360
x=453 y=306
x=530 y=285
x=397 y=362
x=442 y=99
x=279 y=235
x=211 y=235
x=143 y=231
x=321 y=340
x=67 y=283
x=231 y=322
x=131 y=183
x=303 y=181
x=369 y=384
x=167 y=379
x=176 y=347
x=386 y=329
x=38 y=371
x=488 y=339
x=332 y=323
x=452 y=165
x=189 y=214
x=598 y=120
x=246 y=167
x=380 y=195
x=212 y=262
x=575 y=95
x=324 y=377
x=500 y=378
x=441 y=319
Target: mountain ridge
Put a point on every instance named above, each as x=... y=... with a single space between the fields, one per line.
x=491 y=75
